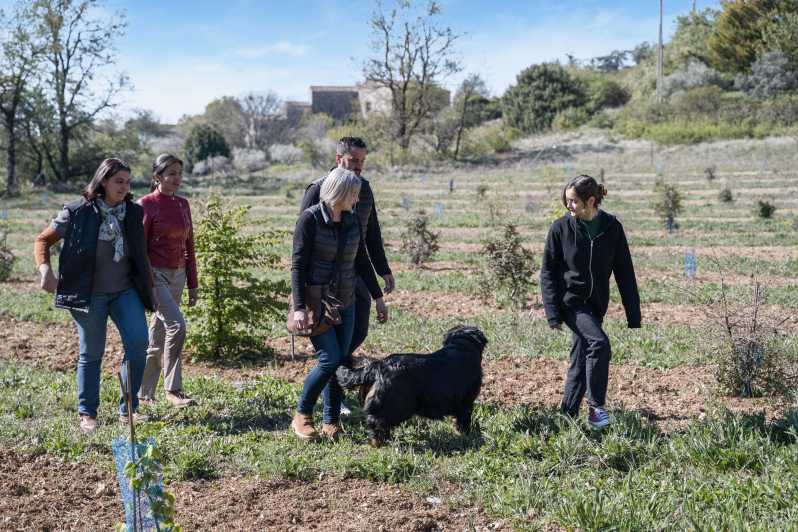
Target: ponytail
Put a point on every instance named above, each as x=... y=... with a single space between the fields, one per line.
x=162 y=162
x=586 y=187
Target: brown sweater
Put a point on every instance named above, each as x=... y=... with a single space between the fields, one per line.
x=42 y=245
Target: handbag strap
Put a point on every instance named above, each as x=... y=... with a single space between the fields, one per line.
x=339 y=254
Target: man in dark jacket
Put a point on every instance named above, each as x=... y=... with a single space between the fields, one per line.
x=350 y=155
x=582 y=250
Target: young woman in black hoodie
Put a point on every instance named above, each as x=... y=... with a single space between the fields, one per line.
x=582 y=249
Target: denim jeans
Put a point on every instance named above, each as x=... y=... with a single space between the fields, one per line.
x=127 y=312
x=590 y=361
x=332 y=348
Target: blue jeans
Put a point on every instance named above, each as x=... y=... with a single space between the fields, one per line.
x=332 y=348
x=127 y=312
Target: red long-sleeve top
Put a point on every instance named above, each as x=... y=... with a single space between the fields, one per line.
x=169 y=233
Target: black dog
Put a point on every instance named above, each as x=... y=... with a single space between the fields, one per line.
x=443 y=383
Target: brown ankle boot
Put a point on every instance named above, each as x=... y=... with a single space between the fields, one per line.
x=303 y=427
x=331 y=430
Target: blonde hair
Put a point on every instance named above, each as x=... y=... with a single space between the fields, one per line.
x=339 y=185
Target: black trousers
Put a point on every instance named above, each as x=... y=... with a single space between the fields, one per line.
x=590 y=361
x=362 y=314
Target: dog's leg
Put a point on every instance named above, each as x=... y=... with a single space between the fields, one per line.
x=463 y=420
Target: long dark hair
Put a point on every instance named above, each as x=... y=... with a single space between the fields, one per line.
x=586 y=187
x=162 y=162
x=109 y=167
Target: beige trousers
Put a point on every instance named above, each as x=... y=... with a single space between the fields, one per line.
x=167 y=334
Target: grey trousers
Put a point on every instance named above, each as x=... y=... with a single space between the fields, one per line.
x=167 y=334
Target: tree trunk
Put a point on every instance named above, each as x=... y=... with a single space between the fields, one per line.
x=63 y=152
x=461 y=126
x=11 y=159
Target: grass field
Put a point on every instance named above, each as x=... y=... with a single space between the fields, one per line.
x=680 y=455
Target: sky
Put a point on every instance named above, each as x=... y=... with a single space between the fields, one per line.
x=180 y=55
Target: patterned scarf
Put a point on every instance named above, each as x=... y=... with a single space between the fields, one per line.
x=111 y=226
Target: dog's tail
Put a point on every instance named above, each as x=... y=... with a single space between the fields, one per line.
x=352 y=377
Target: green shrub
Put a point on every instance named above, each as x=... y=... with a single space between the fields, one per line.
x=709 y=172
x=7 y=257
x=235 y=309
x=765 y=209
x=487 y=139
x=510 y=269
x=693 y=132
x=204 y=141
x=418 y=242
x=602 y=120
x=752 y=355
x=540 y=92
x=570 y=118
x=605 y=93
x=667 y=203
x=193 y=465
x=725 y=195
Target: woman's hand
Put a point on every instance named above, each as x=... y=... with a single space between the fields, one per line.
x=382 y=310
x=47 y=281
x=301 y=319
x=193 y=296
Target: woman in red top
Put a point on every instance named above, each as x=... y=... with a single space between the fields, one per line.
x=170 y=246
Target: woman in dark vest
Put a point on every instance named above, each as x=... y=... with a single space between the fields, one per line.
x=582 y=250
x=102 y=271
x=322 y=232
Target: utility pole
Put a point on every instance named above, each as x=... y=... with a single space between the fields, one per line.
x=660 y=56
x=693 y=7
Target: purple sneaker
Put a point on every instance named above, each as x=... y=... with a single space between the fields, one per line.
x=597 y=417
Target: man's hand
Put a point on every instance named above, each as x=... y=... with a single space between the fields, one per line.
x=390 y=284
x=382 y=310
x=47 y=280
x=193 y=296
x=301 y=319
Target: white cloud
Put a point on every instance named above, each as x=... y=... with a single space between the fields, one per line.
x=278 y=48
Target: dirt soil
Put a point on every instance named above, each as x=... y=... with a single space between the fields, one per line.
x=44 y=493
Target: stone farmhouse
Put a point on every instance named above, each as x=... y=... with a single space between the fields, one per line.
x=343 y=101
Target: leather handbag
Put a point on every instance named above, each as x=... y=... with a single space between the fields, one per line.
x=324 y=311
x=323 y=308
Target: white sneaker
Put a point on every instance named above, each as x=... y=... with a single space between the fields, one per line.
x=597 y=417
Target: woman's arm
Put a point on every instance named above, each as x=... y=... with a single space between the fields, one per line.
x=624 y=272
x=304 y=236
x=550 y=270
x=191 y=258
x=41 y=246
x=366 y=271
x=41 y=249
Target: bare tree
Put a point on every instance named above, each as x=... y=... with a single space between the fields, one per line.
x=264 y=124
x=412 y=55
x=79 y=46
x=20 y=54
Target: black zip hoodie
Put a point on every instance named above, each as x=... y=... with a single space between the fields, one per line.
x=576 y=269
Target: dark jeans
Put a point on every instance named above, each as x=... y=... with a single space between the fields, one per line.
x=331 y=348
x=362 y=312
x=590 y=361
x=127 y=312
